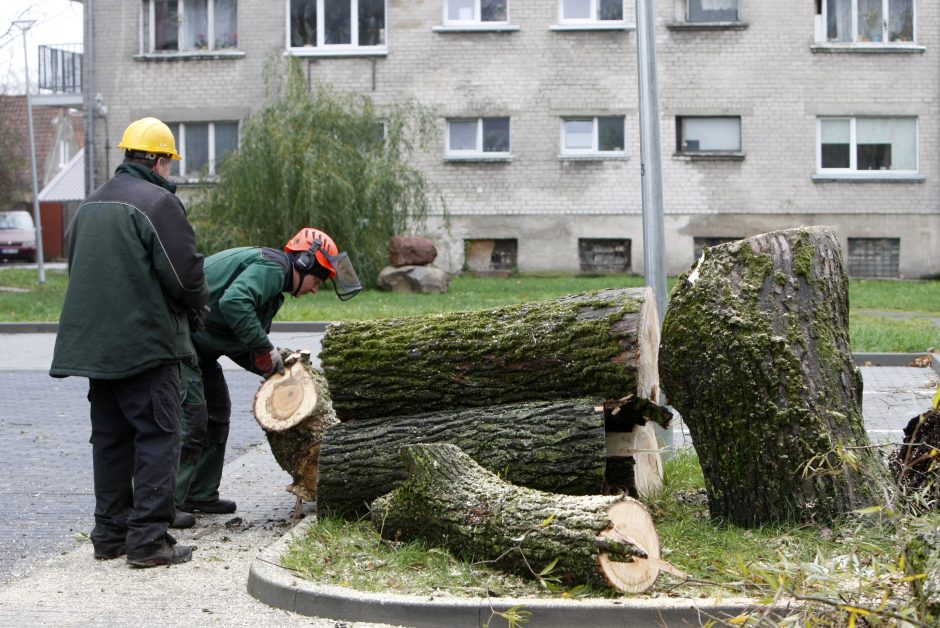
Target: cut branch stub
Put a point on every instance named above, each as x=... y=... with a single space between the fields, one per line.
x=448 y=499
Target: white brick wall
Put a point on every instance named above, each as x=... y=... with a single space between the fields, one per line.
x=767 y=73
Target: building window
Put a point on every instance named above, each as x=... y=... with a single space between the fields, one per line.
x=602 y=135
x=713 y=11
x=475 y=11
x=699 y=244
x=585 y=11
x=481 y=138
x=700 y=134
x=868 y=21
x=189 y=25
x=337 y=24
x=604 y=255
x=854 y=144
x=203 y=147
x=874 y=257
x=491 y=257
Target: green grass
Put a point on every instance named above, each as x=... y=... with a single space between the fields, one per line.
x=872 y=329
x=720 y=559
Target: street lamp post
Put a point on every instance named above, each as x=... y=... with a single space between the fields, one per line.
x=25 y=25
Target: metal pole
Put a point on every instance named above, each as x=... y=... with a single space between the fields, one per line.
x=654 y=238
x=25 y=25
x=88 y=87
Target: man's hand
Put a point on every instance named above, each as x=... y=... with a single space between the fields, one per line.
x=269 y=362
x=197 y=318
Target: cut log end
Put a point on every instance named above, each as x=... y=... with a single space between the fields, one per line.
x=286 y=400
x=632 y=526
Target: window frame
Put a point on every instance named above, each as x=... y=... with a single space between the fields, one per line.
x=592 y=22
x=594 y=151
x=321 y=49
x=477 y=153
x=183 y=172
x=708 y=154
x=852 y=171
x=822 y=34
x=148 y=32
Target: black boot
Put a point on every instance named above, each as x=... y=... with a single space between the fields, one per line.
x=166 y=555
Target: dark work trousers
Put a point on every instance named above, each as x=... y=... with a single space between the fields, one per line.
x=135 y=439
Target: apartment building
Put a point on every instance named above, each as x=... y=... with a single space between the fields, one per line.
x=773 y=114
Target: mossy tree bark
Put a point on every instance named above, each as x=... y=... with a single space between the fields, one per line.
x=602 y=343
x=449 y=500
x=922 y=559
x=294 y=409
x=756 y=358
x=556 y=446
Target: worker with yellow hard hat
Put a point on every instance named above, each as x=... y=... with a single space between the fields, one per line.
x=136 y=281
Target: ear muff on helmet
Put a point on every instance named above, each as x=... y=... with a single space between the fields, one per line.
x=306 y=264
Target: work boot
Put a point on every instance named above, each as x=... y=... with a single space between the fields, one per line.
x=217 y=507
x=183 y=520
x=110 y=553
x=166 y=555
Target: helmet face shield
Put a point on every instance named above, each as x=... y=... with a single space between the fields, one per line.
x=345 y=282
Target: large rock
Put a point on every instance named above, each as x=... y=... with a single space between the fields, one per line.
x=411 y=251
x=413 y=279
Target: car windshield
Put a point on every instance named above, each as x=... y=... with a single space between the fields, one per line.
x=15 y=220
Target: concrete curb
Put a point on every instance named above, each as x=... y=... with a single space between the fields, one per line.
x=279 y=587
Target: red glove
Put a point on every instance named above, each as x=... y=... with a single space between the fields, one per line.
x=268 y=362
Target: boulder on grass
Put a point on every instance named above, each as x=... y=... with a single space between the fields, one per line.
x=425 y=279
x=411 y=251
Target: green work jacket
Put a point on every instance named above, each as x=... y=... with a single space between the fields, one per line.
x=133 y=274
x=246 y=287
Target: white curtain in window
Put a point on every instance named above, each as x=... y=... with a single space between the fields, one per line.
x=579 y=134
x=713 y=133
x=195 y=25
x=226 y=24
x=900 y=133
x=577 y=9
x=460 y=10
x=719 y=5
x=463 y=135
x=838 y=20
x=835 y=131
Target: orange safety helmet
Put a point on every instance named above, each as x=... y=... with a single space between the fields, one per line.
x=316 y=245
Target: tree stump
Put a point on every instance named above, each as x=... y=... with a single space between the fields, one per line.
x=916 y=464
x=602 y=343
x=756 y=358
x=294 y=409
x=451 y=501
x=922 y=558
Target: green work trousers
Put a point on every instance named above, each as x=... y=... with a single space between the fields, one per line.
x=207 y=409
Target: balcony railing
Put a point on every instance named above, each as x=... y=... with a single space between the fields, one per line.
x=60 y=68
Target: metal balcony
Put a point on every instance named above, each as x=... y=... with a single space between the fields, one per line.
x=60 y=75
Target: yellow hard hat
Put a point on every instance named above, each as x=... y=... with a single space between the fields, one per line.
x=149 y=135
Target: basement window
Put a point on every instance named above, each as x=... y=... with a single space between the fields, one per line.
x=874 y=257
x=491 y=257
x=604 y=255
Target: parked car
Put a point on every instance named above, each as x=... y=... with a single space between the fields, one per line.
x=17 y=236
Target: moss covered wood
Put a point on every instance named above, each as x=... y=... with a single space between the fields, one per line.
x=449 y=500
x=293 y=410
x=585 y=344
x=755 y=356
x=922 y=560
x=556 y=446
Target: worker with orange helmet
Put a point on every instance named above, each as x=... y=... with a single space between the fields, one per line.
x=247 y=287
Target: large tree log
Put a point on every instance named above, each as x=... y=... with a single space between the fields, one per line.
x=450 y=500
x=602 y=343
x=294 y=409
x=556 y=446
x=756 y=358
